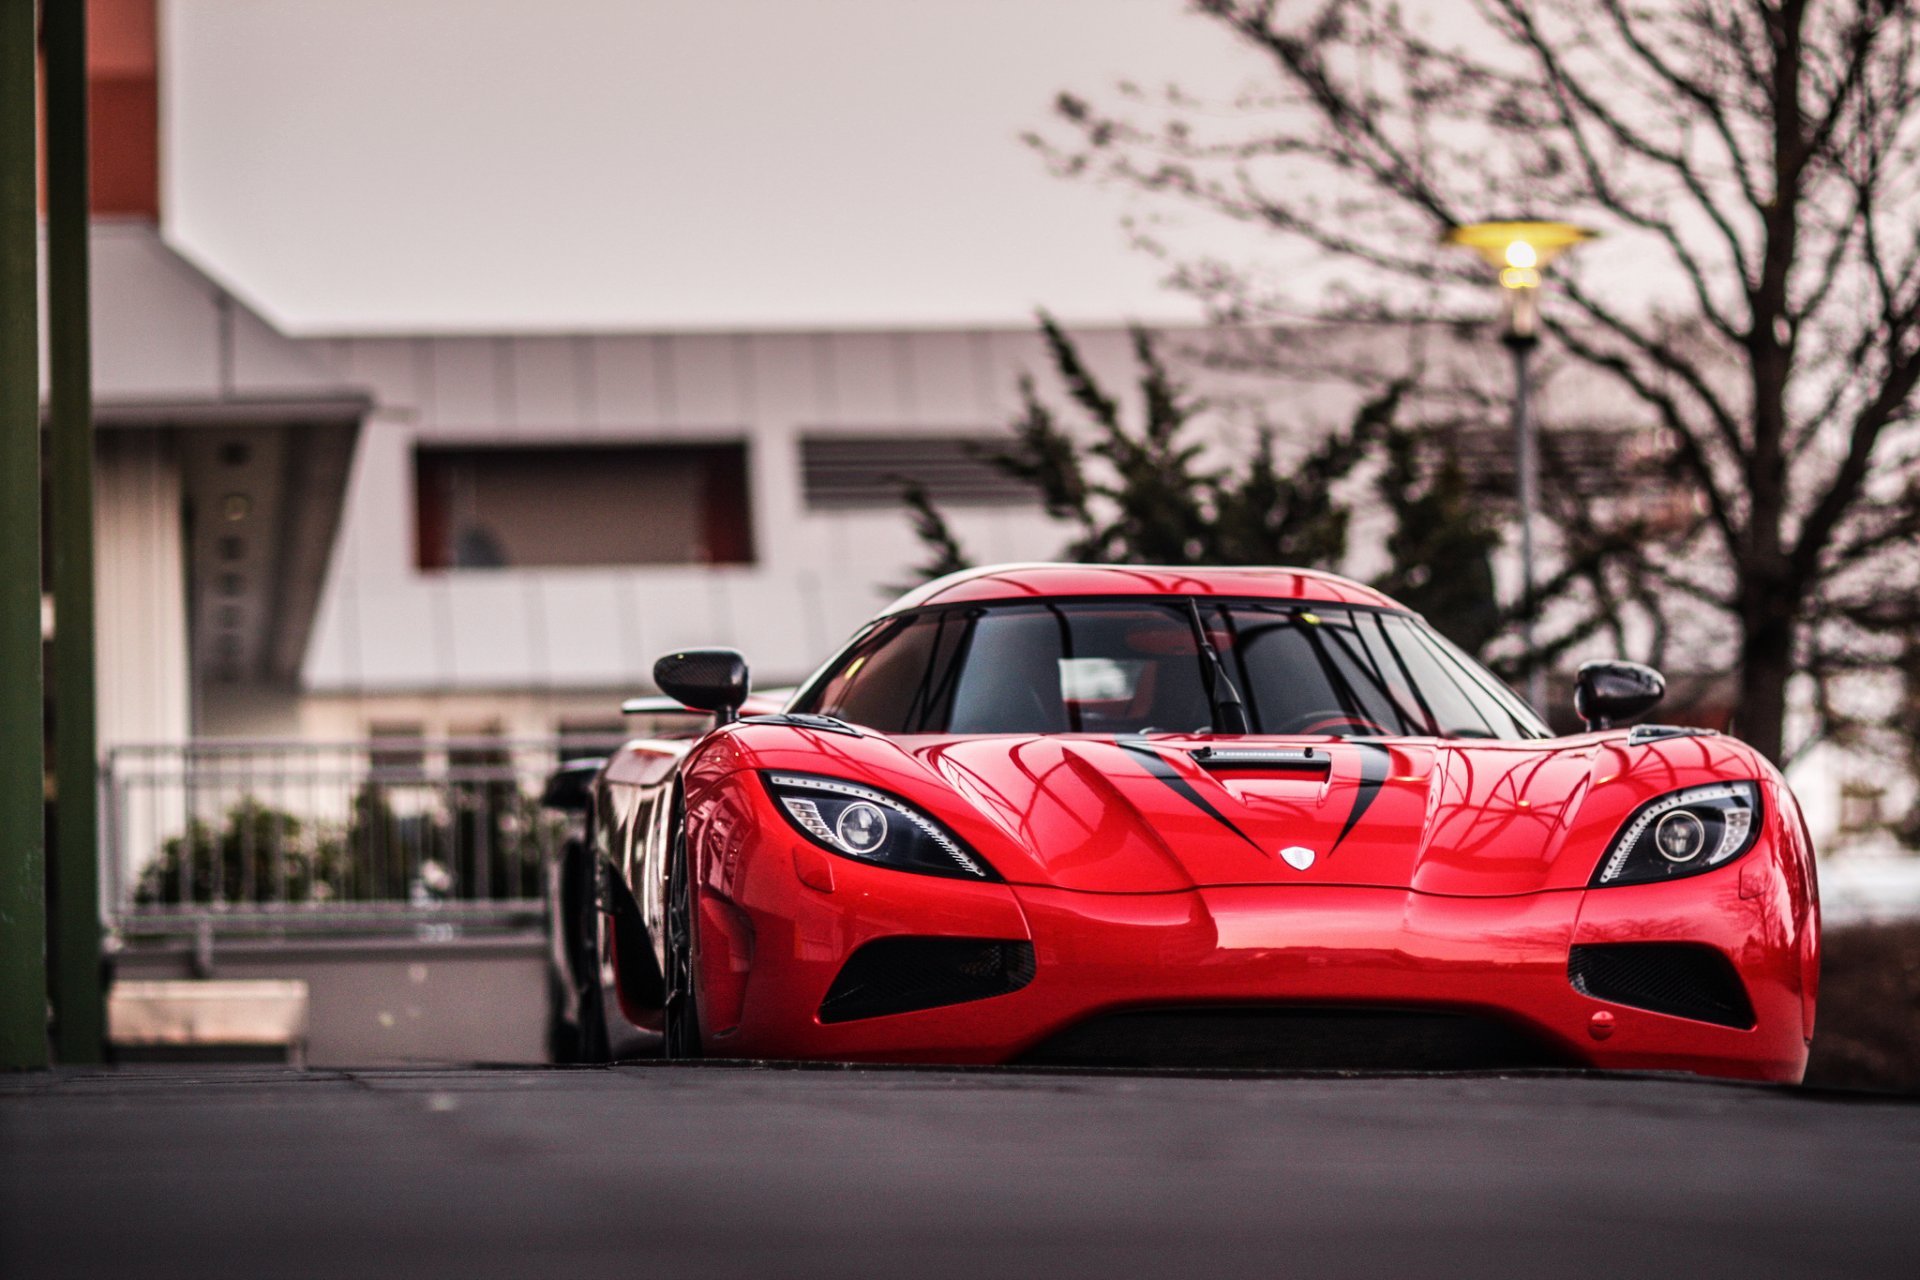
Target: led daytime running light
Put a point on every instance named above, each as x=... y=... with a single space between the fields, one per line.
x=810 y=817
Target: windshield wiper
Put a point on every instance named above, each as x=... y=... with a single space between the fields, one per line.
x=1228 y=711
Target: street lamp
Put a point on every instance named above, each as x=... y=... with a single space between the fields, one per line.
x=1519 y=249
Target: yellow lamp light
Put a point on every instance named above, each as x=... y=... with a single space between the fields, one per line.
x=1518 y=249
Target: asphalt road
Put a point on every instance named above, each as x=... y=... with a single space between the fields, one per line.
x=715 y=1171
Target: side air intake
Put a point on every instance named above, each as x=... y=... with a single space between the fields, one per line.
x=1677 y=978
x=899 y=975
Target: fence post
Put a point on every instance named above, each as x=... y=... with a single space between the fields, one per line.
x=112 y=851
x=79 y=984
x=23 y=889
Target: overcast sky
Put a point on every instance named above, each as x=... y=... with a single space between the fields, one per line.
x=406 y=165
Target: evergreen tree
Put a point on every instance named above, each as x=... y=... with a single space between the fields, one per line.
x=1144 y=494
x=1442 y=540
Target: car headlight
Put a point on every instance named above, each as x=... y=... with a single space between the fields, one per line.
x=1683 y=833
x=872 y=826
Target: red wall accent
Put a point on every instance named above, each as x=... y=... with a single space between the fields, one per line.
x=124 y=106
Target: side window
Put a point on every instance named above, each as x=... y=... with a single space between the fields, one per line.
x=900 y=681
x=1450 y=712
x=1502 y=711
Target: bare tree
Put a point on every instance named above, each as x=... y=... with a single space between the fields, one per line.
x=1765 y=155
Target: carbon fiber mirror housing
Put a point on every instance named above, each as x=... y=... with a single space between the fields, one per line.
x=1607 y=693
x=713 y=680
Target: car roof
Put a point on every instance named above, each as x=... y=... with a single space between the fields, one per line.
x=1044 y=581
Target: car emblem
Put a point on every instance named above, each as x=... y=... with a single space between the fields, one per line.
x=1297 y=857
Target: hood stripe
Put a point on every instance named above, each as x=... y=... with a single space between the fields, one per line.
x=1374 y=762
x=1159 y=767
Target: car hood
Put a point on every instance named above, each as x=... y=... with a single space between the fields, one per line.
x=1146 y=815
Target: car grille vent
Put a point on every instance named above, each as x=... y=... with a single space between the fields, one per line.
x=1297 y=1039
x=1675 y=978
x=899 y=975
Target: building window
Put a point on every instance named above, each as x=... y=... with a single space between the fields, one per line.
x=1598 y=460
x=399 y=751
x=846 y=471
x=475 y=753
x=489 y=507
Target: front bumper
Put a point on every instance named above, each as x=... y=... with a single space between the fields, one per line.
x=773 y=939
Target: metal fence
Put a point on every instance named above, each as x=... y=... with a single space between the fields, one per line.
x=271 y=838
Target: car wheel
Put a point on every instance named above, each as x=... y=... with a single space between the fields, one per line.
x=580 y=901
x=563 y=990
x=595 y=1044
x=681 y=1007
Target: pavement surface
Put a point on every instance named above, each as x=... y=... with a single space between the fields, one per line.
x=713 y=1171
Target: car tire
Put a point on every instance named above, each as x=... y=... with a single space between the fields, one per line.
x=580 y=909
x=682 y=1010
x=595 y=1044
x=563 y=996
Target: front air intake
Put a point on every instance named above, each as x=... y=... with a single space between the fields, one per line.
x=899 y=975
x=1677 y=978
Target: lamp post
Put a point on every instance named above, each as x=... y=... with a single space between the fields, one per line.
x=1519 y=249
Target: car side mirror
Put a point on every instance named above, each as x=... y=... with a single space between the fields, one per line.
x=570 y=787
x=1606 y=693
x=710 y=679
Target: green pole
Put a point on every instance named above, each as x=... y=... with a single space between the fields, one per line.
x=23 y=888
x=73 y=888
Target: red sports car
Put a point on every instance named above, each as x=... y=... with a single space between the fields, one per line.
x=1229 y=817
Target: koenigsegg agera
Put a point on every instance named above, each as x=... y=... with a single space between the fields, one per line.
x=1231 y=817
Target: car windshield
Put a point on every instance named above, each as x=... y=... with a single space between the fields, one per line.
x=1135 y=666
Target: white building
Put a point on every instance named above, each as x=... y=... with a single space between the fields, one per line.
x=340 y=536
